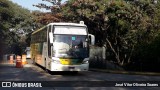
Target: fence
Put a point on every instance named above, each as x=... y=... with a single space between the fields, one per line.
x=98 y=59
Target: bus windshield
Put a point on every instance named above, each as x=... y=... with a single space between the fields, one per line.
x=70 y=46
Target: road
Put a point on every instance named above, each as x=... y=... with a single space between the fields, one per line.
x=31 y=72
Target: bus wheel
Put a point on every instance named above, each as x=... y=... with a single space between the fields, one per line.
x=47 y=71
x=46 y=66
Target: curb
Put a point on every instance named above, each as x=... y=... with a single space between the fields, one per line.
x=126 y=72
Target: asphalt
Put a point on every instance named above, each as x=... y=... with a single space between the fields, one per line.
x=30 y=72
x=4 y=63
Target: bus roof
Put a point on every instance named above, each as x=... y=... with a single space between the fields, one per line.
x=60 y=24
x=67 y=24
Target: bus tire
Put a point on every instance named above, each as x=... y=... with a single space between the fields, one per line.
x=74 y=72
x=46 y=70
x=46 y=66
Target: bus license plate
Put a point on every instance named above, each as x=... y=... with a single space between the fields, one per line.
x=71 y=67
x=65 y=61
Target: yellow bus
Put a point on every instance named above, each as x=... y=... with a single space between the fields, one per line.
x=62 y=46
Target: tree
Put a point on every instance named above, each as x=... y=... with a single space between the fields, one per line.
x=5 y=16
x=47 y=17
x=15 y=23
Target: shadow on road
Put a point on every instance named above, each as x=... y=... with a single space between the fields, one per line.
x=8 y=72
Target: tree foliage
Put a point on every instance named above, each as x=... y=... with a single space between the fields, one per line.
x=55 y=15
x=45 y=18
x=15 y=23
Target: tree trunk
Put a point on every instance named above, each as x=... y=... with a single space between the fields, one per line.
x=116 y=54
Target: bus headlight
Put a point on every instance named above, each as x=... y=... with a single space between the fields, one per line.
x=56 y=61
x=85 y=62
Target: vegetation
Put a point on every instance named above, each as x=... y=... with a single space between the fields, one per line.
x=16 y=22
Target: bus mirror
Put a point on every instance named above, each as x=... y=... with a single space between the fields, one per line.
x=92 y=39
x=51 y=37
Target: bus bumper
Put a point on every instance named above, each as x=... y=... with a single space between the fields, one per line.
x=60 y=67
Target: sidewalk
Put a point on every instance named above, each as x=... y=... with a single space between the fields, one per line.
x=126 y=72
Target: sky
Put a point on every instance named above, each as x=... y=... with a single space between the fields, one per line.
x=29 y=4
